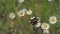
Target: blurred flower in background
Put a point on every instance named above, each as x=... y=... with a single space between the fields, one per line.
x=45 y=26
x=21 y=13
x=46 y=31
x=21 y=1
x=49 y=0
x=29 y=12
x=24 y=9
x=12 y=15
x=32 y=17
x=53 y=20
x=37 y=25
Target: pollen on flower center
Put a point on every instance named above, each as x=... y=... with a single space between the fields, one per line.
x=12 y=15
x=45 y=26
x=21 y=13
x=53 y=20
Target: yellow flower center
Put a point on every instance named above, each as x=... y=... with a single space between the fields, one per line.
x=53 y=19
x=45 y=26
x=12 y=15
x=21 y=13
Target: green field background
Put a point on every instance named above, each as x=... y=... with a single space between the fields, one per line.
x=20 y=25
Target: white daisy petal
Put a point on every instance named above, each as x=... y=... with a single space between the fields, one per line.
x=53 y=20
x=37 y=25
x=49 y=0
x=29 y=12
x=21 y=1
x=21 y=13
x=32 y=17
x=12 y=15
x=46 y=31
x=45 y=26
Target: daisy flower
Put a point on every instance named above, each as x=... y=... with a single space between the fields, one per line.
x=49 y=0
x=35 y=21
x=12 y=15
x=21 y=1
x=21 y=13
x=29 y=12
x=45 y=26
x=46 y=31
x=53 y=20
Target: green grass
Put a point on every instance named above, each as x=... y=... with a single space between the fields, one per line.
x=40 y=8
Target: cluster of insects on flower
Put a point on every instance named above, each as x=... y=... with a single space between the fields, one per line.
x=35 y=22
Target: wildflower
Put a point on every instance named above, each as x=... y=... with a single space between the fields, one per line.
x=46 y=31
x=32 y=17
x=24 y=9
x=53 y=20
x=21 y=1
x=37 y=25
x=12 y=15
x=29 y=12
x=21 y=13
x=45 y=26
x=49 y=0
